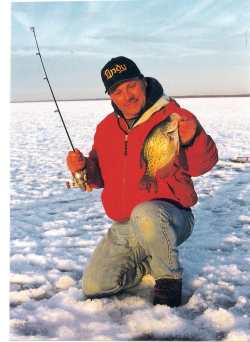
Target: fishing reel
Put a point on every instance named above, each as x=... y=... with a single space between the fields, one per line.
x=79 y=180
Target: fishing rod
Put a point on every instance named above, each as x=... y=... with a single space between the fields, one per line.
x=79 y=180
x=51 y=90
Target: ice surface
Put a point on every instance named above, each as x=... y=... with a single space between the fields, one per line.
x=54 y=230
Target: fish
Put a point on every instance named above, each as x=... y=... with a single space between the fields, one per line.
x=159 y=151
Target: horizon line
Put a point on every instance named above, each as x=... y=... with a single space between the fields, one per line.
x=106 y=98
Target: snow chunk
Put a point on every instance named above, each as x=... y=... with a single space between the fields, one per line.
x=27 y=279
x=237 y=336
x=57 y=315
x=244 y=218
x=18 y=297
x=221 y=319
x=56 y=232
x=158 y=322
x=24 y=244
x=199 y=282
x=64 y=264
x=32 y=259
x=233 y=239
x=65 y=282
x=17 y=323
x=65 y=333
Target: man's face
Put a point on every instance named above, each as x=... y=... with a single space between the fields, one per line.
x=129 y=97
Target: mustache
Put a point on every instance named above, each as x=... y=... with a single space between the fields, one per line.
x=132 y=99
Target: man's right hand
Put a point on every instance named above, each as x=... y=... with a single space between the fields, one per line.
x=76 y=161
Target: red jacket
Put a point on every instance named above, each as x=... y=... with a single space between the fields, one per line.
x=114 y=163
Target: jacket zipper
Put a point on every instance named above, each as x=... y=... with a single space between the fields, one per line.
x=126 y=135
x=126 y=145
x=125 y=153
x=123 y=192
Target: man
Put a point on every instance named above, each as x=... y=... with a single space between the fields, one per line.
x=144 y=155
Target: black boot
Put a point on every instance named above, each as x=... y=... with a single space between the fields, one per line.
x=168 y=292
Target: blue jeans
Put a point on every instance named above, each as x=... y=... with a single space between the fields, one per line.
x=146 y=244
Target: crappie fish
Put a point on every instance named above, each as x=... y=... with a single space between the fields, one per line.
x=160 y=148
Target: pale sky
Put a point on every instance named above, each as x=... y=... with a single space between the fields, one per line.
x=192 y=47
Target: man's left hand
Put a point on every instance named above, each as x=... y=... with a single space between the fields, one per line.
x=187 y=130
x=187 y=127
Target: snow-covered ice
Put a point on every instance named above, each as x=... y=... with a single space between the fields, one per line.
x=54 y=231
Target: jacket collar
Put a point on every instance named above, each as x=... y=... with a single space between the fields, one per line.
x=163 y=101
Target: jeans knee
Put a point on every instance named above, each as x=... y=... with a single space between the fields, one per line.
x=145 y=218
x=96 y=285
x=90 y=287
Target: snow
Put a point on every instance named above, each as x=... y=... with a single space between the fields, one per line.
x=54 y=230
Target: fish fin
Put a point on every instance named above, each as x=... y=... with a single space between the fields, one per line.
x=147 y=181
x=155 y=185
x=143 y=163
x=181 y=159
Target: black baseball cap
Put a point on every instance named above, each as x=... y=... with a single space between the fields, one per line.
x=118 y=70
